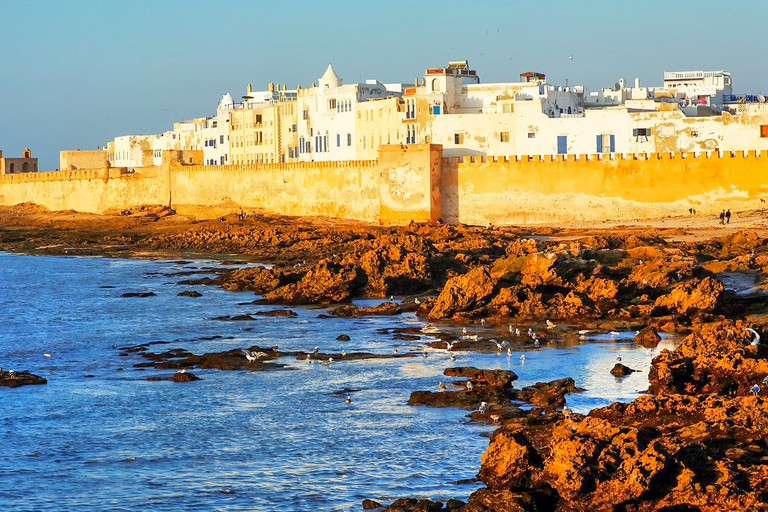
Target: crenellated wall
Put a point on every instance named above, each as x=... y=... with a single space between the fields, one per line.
x=414 y=182
x=533 y=189
x=338 y=189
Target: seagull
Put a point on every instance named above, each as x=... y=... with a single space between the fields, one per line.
x=252 y=356
x=618 y=358
x=495 y=418
x=754 y=389
x=416 y=301
x=343 y=353
x=522 y=357
x=550 y=324
x=567 y=412
x=614 y=333
x=424 y=353
x=536 y=343
x=328 y=361
x=510 y=328
x=450 y=345
x=47 y=355
x=509 y=354
x=453 y=357
x=501 y=345
x=482 y=321
x=765 y=380
x=756 y=338
x=469 y=385
x=394 y=351
x=464 y=330
x=472 y=337
x=315 y=350
x=483 y=405
x=584 y=331
x=429 y=329
x=440 y=385
x=391 y=298
x=348 y=399
x=183 y=370
x=530 y=332
x=517 y=331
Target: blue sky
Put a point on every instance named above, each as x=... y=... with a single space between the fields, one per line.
x=75 y=74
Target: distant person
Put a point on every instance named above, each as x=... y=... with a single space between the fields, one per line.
x=728 y=216
x=722 y=217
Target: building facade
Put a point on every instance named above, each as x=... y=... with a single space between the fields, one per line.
x=692 y=111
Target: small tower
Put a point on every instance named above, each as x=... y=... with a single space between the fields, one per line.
x=330 y=79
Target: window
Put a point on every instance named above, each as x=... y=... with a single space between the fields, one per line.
x=214 y=124
x=349 y=139
x=606 y=143
x=763 y=131
x=436 y=85
x=562 y=144
x=305 y=114
x=338 y=140
x=507 y=108
x=504 y=137
x=458 y=138
x=436 y=110
x=641 y=134
x=332 y=104
x=221 y=139
x=531 y=135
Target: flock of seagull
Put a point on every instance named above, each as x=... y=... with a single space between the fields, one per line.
x=254 y=356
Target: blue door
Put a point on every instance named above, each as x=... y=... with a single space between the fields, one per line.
x=562 y=144
x=436 y=110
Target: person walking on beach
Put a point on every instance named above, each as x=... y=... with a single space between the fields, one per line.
x=728 y=216
x=722 y=217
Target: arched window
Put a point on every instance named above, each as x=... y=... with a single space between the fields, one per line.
x=435 y=85
x=25 y=167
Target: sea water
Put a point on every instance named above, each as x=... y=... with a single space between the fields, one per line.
x=99 y=436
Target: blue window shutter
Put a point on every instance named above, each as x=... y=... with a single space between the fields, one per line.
x=599 y=143
x=436 y=109
x=613 y=143
x=562 y=144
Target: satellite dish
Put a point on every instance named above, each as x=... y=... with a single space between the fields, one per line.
x=760 y=98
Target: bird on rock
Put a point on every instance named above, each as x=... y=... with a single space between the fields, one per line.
x=567 y=412
x=755 y=390
x=470 y=387
x=482 y=408
x=755 y=336
x=348 y=399
x=440 y=385
x=550 y=324
x=501 y=345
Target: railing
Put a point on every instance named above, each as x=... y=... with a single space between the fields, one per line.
x=748 y=98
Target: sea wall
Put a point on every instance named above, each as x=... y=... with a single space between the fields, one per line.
x=563 y=188
x=346 y=189
x=338 y=189
x=414 y=182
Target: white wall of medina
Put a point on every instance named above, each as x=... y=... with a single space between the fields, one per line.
x=528 y=131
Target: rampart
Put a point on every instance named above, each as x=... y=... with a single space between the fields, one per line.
x=535 y=189
x=414 y=182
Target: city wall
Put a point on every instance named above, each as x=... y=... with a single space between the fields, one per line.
x=414 y=182
x=565 y=188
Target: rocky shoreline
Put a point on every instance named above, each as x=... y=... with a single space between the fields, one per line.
x=696 y=441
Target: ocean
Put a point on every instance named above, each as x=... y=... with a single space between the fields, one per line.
x=99 y=436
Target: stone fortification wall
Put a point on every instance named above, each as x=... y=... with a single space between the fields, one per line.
x=338 y=189
x=533 y=189
x=414 y=182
